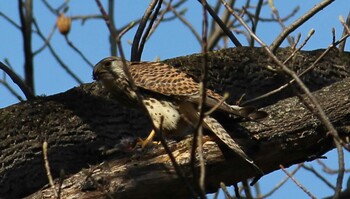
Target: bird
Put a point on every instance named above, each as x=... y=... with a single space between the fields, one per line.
x=171 y=98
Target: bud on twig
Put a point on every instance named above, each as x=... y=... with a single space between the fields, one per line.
x=63 y=23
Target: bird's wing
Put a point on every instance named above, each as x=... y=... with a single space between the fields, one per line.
x=166 y=80
x=169 y=81
x=163 y=79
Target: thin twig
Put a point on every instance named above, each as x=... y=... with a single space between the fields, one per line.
x=291 y=73
x=84 y=18
x=125 y=30
x=328 y=170
x=186 y=23
x=160 y=19
x=247 y=190
x=257 y=189
x=10 y=89
x=256 y=20
x=46 y=41
x=319 y=176
x=320 y=112
x=226 y=192
x=297 y=183
x=217 y=105
x=297 y=40
x=286 y=32
x=135 y=56
x=177 y=168
x=221 y=23
x=10 y=20
x=345 y=32
x=148 y=29
x=57 y=10
x=198 y=132
x=279 y=20
x=216 y=33
x=286 y=18
x=291 y=81
x=48 y=170
x=312 y=66
x=70 y=43
x=280 y=184
x=17 y=80
x=341 y=166
x=58 y=59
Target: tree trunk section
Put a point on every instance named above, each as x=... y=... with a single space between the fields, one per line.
x=84 y=129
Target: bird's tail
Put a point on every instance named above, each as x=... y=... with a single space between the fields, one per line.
x=222 y=134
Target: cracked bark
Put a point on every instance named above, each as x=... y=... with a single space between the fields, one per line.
x=82 y=123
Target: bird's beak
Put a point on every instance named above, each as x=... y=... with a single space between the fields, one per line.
x=95 y=75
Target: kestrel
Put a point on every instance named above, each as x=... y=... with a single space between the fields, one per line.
x=170 y=94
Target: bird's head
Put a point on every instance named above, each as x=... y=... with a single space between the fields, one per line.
x=109 y=68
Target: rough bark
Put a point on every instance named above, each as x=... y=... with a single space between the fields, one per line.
x=82 y=125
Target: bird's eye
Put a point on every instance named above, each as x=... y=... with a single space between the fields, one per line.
x=107 y=64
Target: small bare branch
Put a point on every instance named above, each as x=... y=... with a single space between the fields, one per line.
x=135 y=52
x=46 y=41
x=298 y=23
x=297 y=183
x=184 y=21
x=17 y=80
x=10 y=20
x=278 y=17
x=319 y=176
x=346 y=31
x=70 y=43
x=48 y=170
x=221 y=24
x=146 y=34
x=58 y=59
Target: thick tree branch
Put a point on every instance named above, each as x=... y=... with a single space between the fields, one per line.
x=82 y=126
x=292 y=136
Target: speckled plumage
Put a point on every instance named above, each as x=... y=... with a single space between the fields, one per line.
x=170 y=93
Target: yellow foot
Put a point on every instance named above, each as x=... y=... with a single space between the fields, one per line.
x=147 y=141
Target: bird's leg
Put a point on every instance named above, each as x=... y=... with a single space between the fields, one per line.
x=148 y=140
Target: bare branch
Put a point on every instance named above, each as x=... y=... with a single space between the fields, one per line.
x=70 y=43
x=282 y=182
x=221 y=23
x=278 y=17
x=184 y=21
x=297 y=23
x=346 y=31
x=148 y=30
x=17 y=80
x=135 y=53
x=112 y=39
x=48 y=170
x=58 y=59
x=10 y=20
x=317 y=107
x=319 y=176
x=26 y=16
x=256 y=20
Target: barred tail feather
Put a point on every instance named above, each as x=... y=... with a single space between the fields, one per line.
x=222 y=134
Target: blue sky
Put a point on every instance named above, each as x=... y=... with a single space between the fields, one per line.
x=171 y=39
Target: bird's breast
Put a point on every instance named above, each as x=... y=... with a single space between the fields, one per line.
x=163 y=109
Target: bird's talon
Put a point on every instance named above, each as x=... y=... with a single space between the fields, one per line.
x=147 y=141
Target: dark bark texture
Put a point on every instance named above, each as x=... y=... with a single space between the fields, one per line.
x=85 y=130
